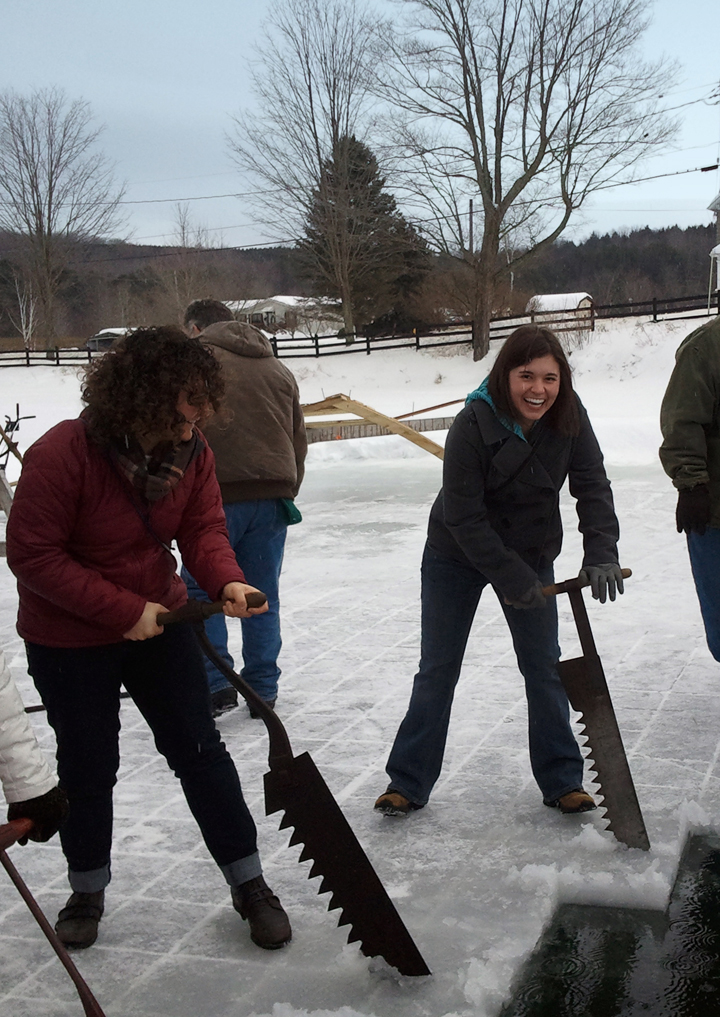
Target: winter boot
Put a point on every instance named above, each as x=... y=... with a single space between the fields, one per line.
x=392 y=803
x=268 y=702
x=255 y=902
x=223 y=700
x=574 y=801
x=77 y=924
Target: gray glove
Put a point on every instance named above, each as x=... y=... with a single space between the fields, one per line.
x=532 y=599
x=603 y=580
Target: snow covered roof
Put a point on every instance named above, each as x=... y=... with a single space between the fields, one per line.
x=714 y=205
x=557 y=301
x=279 y=301
x=715 y=253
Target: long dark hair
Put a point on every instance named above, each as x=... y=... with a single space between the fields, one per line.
x=525 y=344
x=134 y=388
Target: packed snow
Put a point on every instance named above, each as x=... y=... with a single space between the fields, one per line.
x=478 y=873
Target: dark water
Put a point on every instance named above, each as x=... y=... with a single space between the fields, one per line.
x=622 y=962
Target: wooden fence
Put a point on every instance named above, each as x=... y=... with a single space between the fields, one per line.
x=458 y=333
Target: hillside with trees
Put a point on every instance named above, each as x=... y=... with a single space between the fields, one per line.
x=106 y=284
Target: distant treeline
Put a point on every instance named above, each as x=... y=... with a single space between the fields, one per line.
x=116 y=284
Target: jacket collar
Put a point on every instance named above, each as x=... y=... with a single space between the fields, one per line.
x=482 y=392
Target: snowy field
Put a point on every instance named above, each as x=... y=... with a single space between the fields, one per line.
x=477 y=874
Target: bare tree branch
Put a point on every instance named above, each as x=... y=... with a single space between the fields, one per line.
x=531 y=105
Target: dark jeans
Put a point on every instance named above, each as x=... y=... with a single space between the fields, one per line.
x=450 y=595
x=166 y=679
x=705 y=563
x=257 y=531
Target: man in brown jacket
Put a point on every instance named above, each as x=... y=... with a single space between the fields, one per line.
x=259 y=444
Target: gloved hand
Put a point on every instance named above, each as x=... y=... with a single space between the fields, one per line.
x=46 y=811
x=603 y=579
x=693 y=509
x=532 y=599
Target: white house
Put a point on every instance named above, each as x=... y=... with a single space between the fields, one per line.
x=311 y=315
x=570 y=310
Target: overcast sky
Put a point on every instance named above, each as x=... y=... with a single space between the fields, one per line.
x=164 y=77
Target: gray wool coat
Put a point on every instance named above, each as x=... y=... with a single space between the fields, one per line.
x=498 y=509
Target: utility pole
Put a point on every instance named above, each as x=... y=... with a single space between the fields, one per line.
x=470 y=230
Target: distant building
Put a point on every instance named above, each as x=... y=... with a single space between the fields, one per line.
x=311 y=315
x=714 y=206
x=562 y=311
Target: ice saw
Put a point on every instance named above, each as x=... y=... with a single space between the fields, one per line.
x=584 y=681
x=295 y=785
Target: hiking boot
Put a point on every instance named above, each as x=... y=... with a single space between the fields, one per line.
x=255 y=902
x=392 y=803
x=77 y=923
x=223 y=700
x=574 y=801
x=268 y=702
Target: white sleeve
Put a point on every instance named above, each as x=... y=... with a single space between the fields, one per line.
x=24 y=772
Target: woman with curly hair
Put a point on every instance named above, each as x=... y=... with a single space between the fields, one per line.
x=496 y=522
x=98 y=504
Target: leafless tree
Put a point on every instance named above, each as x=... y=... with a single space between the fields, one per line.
x=312 y=89
x=526 y=106
x=26 y=311
x=56 y=189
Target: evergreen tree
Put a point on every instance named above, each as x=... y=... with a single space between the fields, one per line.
x=357 y=245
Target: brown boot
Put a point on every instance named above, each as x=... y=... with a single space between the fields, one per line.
x=574 y=801
x=257 y=904
x=77 y=924
x=392 y=803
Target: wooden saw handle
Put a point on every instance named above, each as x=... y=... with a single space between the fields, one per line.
x=199 y=610
x=575 y=584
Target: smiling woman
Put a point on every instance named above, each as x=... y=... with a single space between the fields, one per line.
x=497 y=522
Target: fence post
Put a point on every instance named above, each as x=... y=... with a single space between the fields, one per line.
x=317 y=346
x=273 y=343
x=655 y=317
x=417 y=339
x=367 y=343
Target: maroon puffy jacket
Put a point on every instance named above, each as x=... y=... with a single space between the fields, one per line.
x=85 y=561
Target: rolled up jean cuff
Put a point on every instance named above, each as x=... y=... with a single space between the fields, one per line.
x=91 y=881
x=240 y=871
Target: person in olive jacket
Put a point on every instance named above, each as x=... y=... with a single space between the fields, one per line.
x=496 y=522
x=690 y=455
x=259 y=444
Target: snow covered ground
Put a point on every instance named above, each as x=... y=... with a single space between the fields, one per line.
x=478 y=873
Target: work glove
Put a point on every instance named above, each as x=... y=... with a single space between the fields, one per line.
x=603 y=580
x=532 y=599
x=693 y=509
x=46 y=811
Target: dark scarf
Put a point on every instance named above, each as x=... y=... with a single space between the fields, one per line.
x=154 y=475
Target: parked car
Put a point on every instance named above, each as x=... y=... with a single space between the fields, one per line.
x=104 y=339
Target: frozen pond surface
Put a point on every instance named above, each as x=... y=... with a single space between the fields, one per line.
x=477 y=874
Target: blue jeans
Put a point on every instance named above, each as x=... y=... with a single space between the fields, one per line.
x=450 y=595
x=705 y=563
x=164 y=675
x=257 y=531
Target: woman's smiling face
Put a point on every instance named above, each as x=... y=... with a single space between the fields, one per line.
x=533 y=389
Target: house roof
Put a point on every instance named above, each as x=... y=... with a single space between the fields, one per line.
x=556 y=301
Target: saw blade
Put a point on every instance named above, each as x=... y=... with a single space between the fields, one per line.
x=302 y=794
x=584 y=681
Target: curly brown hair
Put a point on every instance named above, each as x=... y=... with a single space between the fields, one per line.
x=525 y=344
x=134 y=387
